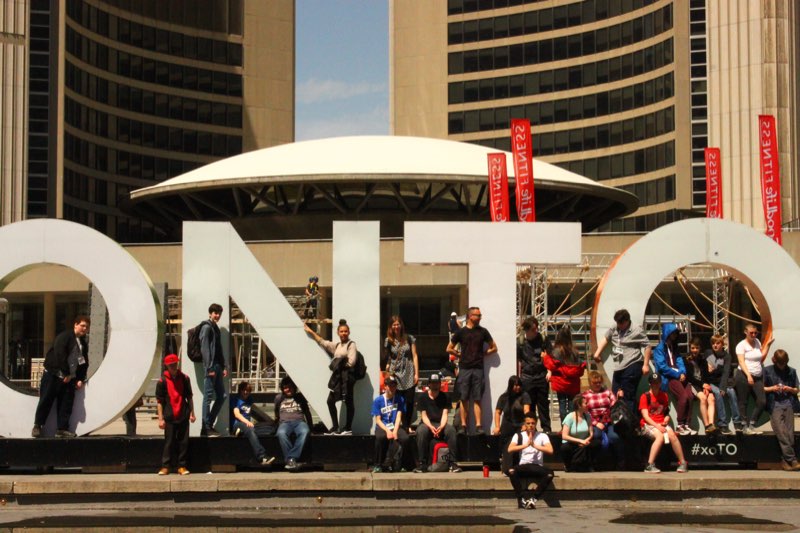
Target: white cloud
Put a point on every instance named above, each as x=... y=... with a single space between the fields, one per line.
x=314 y=91
x=371 y=122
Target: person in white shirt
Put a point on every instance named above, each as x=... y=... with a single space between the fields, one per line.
x=749 y=378
x=531 y=447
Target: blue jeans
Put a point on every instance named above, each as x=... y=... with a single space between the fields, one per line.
x=615 y=443
x=213 y=386
x=250 y=433
x=722 y=412
x=628 y=380
x=564 y=405
x=300 y=430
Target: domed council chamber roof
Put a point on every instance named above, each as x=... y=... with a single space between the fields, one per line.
x=295 y=190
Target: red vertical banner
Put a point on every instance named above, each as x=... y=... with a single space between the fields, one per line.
x=498 y=187
x=713 y=183
x=770 y=176
x=522 y=149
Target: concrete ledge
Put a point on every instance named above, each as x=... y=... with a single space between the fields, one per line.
x=748 y=482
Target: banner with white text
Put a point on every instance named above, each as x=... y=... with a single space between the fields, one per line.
x=498 y=187
x=713 y=183
x=522 y=149
x=770 y=176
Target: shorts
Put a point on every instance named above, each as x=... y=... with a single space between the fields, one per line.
x=651 y=432
x=470 y=384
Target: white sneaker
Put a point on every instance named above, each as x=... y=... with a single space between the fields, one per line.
x=530 y=504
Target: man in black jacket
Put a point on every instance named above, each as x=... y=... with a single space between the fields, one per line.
x=65 y=367
x=535 y=377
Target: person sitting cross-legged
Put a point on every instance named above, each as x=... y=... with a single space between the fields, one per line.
x=294 y=421
x=531 y=446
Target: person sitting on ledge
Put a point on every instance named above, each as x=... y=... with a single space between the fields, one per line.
x=433 y=410
x=698 y=375
x=578 y=447
x=654 y=406
x=387 y=410
x=294 y=421
x=243 y=425
x=530 y=445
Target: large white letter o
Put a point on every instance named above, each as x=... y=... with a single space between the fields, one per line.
x=771 y=274
x=133 y=309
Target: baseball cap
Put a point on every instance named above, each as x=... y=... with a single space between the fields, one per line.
x=390 y=380
x=435 y=378
x=171 y=359
x=652 y=378
x=453 y=314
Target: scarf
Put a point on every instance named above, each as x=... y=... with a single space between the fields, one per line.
x=175 y=392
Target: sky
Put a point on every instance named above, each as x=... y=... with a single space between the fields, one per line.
x=342 y=68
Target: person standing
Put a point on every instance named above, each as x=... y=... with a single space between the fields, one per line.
x=630 y=351
x=175 y=412
x=215 y=370
x=531 y=447
x=65 y=367
x=781 y=386
x=343 y=359
x=566 y=370
x=402 y=362
x=531 y=370
x=476 y=343
x=294 y=422
x=749 y=377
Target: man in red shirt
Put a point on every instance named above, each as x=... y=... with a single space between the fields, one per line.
x=654 y=406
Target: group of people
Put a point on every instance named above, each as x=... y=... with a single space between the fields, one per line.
x=719 y=383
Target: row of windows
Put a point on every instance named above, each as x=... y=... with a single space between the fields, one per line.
x=587 y=75
x=123 y=163
x=566 y=109
x=547 y=19
x=455 y=7
x=152 y=103
x=641 y=224
x=560 y=48
x=151 y=71
x=38 y=110
x=120 y=228
x=149 y=135
x=604 y=135
x=654 y=191
x=155 y=39
x=620 y=165
x=224 y=16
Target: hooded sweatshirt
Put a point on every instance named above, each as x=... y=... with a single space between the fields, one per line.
x=669 y=363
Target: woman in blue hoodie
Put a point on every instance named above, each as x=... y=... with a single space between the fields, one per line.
x=670 y=365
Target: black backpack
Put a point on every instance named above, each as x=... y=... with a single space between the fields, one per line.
x=193 y=350
x=625 y=424
x=360 y=368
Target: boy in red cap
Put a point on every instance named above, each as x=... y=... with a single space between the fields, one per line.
x=175 y=412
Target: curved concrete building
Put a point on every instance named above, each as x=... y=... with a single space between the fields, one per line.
x=295 y=190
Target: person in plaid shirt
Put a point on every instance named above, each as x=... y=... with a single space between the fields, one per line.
x=598 y=402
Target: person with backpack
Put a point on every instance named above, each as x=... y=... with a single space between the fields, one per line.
x=344 y=359
x=433 y=411
x=402 y=362
x=215 y=370
x=387 y=411
x=578 y=445
x=529 y=447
